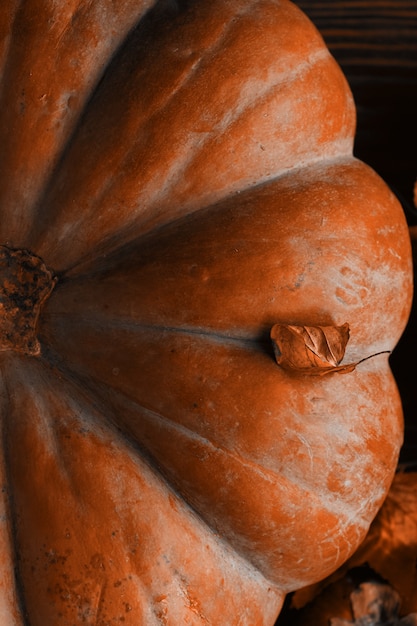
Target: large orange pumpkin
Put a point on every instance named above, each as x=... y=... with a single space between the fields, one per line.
x=176 y=179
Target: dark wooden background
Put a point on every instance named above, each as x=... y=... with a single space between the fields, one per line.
x=375 y=42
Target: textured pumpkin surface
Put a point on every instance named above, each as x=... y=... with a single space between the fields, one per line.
x=186 y=174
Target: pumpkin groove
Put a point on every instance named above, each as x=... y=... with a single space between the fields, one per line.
x=77 y=554
x=151 y=185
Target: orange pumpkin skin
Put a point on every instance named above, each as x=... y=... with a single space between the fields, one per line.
x=159 y=466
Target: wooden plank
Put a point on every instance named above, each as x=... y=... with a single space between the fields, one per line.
x=375 y=42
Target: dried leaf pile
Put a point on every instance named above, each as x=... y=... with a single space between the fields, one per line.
x=375 y=604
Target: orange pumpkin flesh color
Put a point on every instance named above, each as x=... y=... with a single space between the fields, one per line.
x=182 y=173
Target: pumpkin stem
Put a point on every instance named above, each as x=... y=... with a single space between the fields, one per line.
x=25 y=284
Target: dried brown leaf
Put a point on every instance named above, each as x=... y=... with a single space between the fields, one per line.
x=315 y=350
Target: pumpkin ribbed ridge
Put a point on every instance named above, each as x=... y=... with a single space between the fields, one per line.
x=44 y=87
x=217 y=408
x=86 y=564
x=223 y=140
